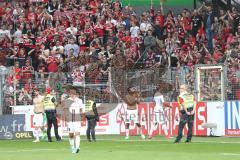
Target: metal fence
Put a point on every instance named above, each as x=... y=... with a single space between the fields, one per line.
x=207 y=83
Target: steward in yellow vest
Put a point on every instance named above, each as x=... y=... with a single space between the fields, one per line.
x=49 y=102
x=92 y=118
x=187 y=105
x=51 y=114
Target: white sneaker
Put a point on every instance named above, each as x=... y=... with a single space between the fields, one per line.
x=127 y=137
x=143 y=136
x=73 y=150
x=36 y=141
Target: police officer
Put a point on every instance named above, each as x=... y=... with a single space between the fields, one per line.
x=49 y=104
x=187 y=109
x=92 y=118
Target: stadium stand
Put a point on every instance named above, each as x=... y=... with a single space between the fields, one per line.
x=58 y=42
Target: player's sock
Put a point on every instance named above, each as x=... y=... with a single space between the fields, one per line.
x=164 y=127
x=77 y=141
x=151 y=133
x=141 y=132
x=44 y=133
x=127 y=133
x=40 y=132
x=36 y=132
x=71 y=141
x=151 y=130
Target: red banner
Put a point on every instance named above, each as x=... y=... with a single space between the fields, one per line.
x=143 y=110
x=201 y=117
x=151 y=120
x=172 y=114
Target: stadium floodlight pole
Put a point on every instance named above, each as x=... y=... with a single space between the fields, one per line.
x=195 y=4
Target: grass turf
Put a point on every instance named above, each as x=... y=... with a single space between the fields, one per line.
x=116 y=148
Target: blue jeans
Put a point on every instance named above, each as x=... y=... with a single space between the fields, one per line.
x=209 y=36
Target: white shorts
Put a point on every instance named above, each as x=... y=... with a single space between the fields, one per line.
x=159 y=116
x=132 y=115
x=38 y=120
x=74 y=127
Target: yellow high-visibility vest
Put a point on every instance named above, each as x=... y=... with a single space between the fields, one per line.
x=47 y=102
x=89 y=105
x=188 y=100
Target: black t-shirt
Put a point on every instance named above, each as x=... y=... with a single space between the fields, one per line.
x=196 y=20
x=52 y=7
x=157 y=57
x=164 y=60
x=174 y=61
x=105 y=66
x=35 y=59
x=158 y=32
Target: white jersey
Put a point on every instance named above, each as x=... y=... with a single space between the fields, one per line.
x=159 y=115
x=74 y=123
x=76 y=106
x=159 y=100
x=75 y=109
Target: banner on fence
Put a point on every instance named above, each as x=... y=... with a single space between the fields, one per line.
x=225 y=116
x=10 y=124
x=232 y=118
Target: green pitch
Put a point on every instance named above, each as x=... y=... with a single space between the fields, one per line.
x=186 y=3
x=116 y=148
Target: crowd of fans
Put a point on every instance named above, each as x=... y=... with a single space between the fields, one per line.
x=87 y=37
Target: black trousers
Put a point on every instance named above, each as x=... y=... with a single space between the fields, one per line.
x=52 y=120
x=91 y=124
x=189 y=119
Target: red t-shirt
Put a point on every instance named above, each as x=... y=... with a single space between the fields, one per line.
x=93 y=5
x=120 y=34
x=27 y=72
x=181 y=32
x=31 y=16
x=52 y=64
x=17 y=73
x=187 y=23
x=160 y=19
x=217 y=56
x=126 y=39
x=2 y=11
x=99 y=31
